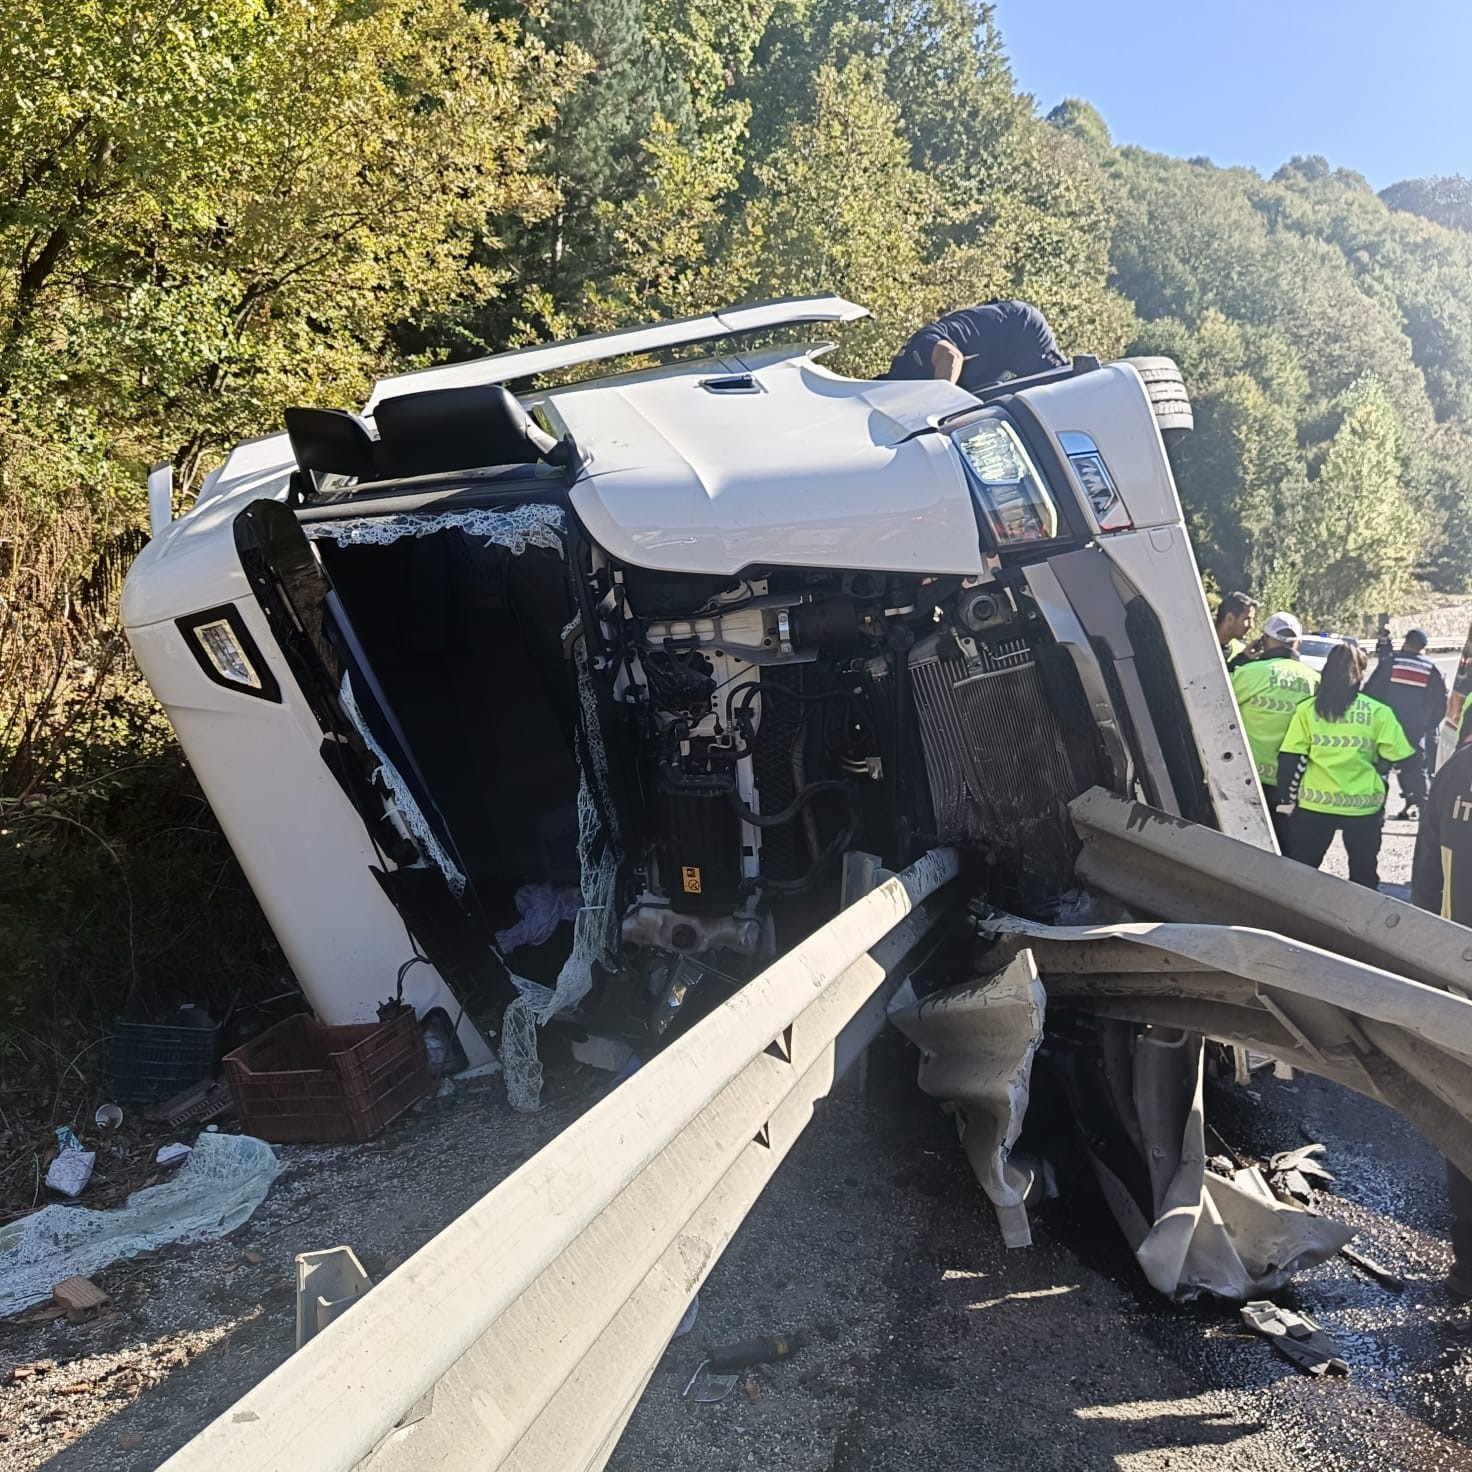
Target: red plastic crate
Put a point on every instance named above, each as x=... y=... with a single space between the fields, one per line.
x=303 y=1081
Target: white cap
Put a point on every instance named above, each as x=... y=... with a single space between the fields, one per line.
x=1284 y=628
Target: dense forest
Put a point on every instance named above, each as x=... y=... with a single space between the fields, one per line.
x=211 y=209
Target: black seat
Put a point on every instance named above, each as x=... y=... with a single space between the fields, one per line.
x=332 y=442
x=458 y=429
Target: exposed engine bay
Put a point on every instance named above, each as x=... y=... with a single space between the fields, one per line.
x=729 y=741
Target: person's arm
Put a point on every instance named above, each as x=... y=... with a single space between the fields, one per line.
x=1427 y=877
x=946 y=360
x=1391 y=743
x=1293 y=758
x=1436 y=699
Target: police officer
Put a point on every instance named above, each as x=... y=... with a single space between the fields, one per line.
x=1269 y=689
x=1331 y=769
x=1413 y=687
x=1441 y=881
x=977 y=346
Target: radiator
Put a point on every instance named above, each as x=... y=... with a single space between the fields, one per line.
x=1000 y=775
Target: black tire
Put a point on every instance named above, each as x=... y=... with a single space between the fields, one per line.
x=1167 y=390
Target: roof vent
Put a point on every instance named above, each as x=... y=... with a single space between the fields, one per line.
x=733 y=383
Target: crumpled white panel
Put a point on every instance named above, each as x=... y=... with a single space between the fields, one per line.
x=1233 y=1238
x=1204 y=1233
x=977 y=1043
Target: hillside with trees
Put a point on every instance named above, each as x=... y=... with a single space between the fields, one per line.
x=211 y=211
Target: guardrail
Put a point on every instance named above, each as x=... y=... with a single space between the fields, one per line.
x=523 y=1334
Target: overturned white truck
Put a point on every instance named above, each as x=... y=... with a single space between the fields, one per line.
x=569 y=706
x=657 y=648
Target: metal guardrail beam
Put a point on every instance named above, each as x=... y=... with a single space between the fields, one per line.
x=523 y=1334
x=1163 y=866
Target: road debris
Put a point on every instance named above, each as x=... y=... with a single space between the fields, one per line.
x=1376 y=1270
x=719 y=1372
x=766 y=1351
x=172 y=1154
x=70 y=1171
x=328 y=1284
x=1296 y=1337
x=198 y=1104
x=108 y=1117
x=216 y=1190
x=81 y=1299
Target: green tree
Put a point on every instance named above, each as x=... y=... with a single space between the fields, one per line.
x=841 y=209
x=1447 y=200
x=216 y=208
x=1356 y=528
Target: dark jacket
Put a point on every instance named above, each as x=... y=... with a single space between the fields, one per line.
x=995 y=339
x=1441 y=874
x=1413 y=688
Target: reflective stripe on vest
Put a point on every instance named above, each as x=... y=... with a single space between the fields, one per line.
x=1353 y=802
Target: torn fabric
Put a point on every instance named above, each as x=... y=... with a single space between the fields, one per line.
x=217 y=1189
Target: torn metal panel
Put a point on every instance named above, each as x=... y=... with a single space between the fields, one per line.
x=1137 y=1096
x=977 y=1043
x=1401 y=1041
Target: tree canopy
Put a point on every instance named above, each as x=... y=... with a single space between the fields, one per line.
x=210 y=211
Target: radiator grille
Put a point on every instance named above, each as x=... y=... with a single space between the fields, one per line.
x=1000 y=776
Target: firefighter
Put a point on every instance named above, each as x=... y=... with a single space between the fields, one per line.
x=1441 y=881
x=1269 y=689
x=977 y=346
x=1234 y=616
x=1331 y=772
x=1413 y=687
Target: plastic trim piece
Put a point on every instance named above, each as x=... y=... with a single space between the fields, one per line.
x=549 y=357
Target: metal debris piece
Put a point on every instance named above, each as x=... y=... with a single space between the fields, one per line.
x=206 y=1100
x=748 y=1352
x=1290 y=1185
x=328 y=1284
x=1296 y=1337
x=713 y=1389
x=1376 y=1270
x=1305 y=1161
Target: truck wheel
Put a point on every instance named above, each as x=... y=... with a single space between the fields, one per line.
x=1167 y=390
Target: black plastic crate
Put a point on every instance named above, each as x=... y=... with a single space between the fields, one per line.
x=149 y=1061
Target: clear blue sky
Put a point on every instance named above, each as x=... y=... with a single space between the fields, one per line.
x=1382 y=88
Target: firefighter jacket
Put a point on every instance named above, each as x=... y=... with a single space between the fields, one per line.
x=1342 y=775
x=1268 y=691
x=1413 y=688
x=1441 y=874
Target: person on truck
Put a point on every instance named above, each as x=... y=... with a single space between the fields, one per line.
x=1269 y=689
x=1331 y=771
x=1413 y=687
x=1441 y=881
x=978 y=346
x=1234 y=616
